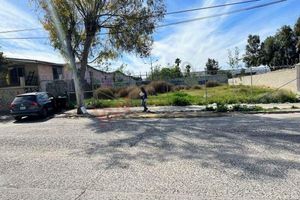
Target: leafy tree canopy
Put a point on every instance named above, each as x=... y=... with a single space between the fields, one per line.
x=212 y=66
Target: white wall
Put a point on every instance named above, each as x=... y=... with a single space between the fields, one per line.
x=284 y=79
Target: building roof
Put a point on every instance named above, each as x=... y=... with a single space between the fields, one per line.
x=29 y=61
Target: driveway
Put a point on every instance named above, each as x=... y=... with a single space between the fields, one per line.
x=234 y=157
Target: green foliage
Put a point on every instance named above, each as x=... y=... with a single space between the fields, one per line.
x=245 y=108
x=212 y=66
x=297 y=33
x=222 y=108
x=233 y=60
x=161 y=86
x=221 y=95
x=166 y=73
x=3 y=70
x=253 y=51
x=277 y=51
x=281 y=96
x=188 y=70
x=181 y=99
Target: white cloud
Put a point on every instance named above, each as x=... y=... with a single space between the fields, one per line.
x=191 y=42
x=196 y=42
x=13 y=17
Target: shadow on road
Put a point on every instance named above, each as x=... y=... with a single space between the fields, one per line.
x=254 y=146
x=29 y=120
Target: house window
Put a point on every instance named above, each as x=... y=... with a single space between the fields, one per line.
x=57 y=73
x=15 y=74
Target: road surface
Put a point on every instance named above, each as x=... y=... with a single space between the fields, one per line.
x=234 y=157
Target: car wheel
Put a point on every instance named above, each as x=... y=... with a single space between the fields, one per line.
x=44 y=113
x=18 y=118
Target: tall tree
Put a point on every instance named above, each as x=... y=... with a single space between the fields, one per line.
x=188 y=70
x=253 y=55
x=177 y=71
x=297 y=33
x=287 y=42
x=3 y=70
x=234 y=59
x=96 y=30
x=212 y=66
x=269 y=50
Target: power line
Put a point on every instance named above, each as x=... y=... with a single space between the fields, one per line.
x=211 y=7
x=222 y=14
x=181 y=22
x=168 y=13
x=20 y=30
x=24 y=38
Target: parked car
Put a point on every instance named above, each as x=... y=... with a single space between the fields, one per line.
x=32 y=104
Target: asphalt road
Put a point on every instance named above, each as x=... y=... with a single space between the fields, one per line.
x=236 y=157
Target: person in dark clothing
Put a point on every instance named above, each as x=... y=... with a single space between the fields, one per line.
x=144 y=96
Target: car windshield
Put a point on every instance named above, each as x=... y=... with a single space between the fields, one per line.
x=21 y=99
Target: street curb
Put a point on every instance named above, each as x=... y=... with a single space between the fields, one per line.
x=182 y=114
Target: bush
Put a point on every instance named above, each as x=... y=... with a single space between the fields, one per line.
x=197 y=87
x=104 y=93
x=245 y=108
x=222 y=108
x=134 y=93
x=179 y=87
x=212 y=84
x=123 y=92
x=161 y=86
x=94 y=103
x=181 y=99
x=150 y=90
x=280 y=96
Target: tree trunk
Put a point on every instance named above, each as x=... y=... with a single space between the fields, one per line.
x=78 y=88
x=77 y=82
x=84 y=64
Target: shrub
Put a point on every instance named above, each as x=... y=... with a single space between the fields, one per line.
x=181 y=99
x=134 y=93
x=178 y=87
x=94 y=103
x=104 y=93
x=245 y=108
x=197 y=87
x=212 y=84
x=123 y=92
x=280 y=96
x=161 y=86
x=150 y=90
x=222 y=108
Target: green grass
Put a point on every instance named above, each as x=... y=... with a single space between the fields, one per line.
x=221 y=95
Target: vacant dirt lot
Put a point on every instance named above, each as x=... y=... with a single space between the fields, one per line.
x=234 y=157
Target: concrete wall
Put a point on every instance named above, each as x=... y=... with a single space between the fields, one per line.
x=45 y=76
x=284 y=79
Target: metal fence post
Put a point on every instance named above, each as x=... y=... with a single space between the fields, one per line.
x=205 y=75
x=251 y=84
x=298 y=76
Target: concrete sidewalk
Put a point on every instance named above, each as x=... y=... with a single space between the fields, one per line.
x=175 y=111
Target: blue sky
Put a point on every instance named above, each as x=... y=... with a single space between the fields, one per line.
x=193 y=42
